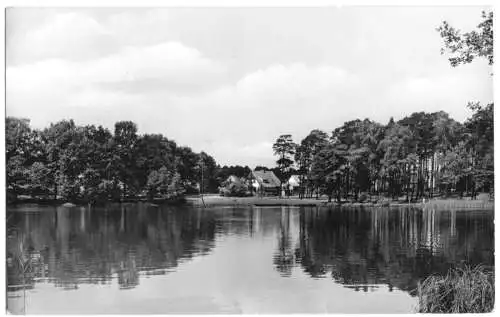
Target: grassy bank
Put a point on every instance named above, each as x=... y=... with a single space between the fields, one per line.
x=216 y=200
x=467 y=290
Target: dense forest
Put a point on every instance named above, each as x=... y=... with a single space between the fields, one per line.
x=88 y=163
x=421 y=155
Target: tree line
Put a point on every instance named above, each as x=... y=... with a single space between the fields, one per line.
x=90 y=163
x=421 y=155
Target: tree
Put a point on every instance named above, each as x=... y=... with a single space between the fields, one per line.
x=309 y=147
x=17 y=135
x=23 y=147
x=284 y=148
x=210 y=183
x=90 y=190
x=235 y=189
x=163 y=183
x=468 y=46
x=38 y=179
x=222 y=173
x=302 y=157
x=465 y=48
x=88 y=163
x=455 y=167
x=125 y=140
x=152 y=152
x=360 y=138
x=187 y=166
x=58 y=139
x=481 y=144
x=328 y=170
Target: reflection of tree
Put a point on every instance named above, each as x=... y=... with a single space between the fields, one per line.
x=360 y=249
x=396 y=248
x=284 y=258
x=75 y=246
x=128 y=276
x=304 y=254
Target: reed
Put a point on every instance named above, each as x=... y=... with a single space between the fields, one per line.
x=22 y=263
x=462 y=290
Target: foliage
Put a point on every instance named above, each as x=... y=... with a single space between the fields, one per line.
x=239 y=171
x=284 y=148
x=468 y=46
x=210 y=170
x=467 y=290
x=236 y=189
x=421 y=155
x=39 y=179
x=91 y=164
x=164 y=183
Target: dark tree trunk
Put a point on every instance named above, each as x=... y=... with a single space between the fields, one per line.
x=432 y=175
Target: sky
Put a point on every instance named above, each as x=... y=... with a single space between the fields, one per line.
x=229 y=81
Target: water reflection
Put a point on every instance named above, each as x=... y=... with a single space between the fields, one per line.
x=365 y=248
x=360 y=249
x=283 y=258
x=77 y=245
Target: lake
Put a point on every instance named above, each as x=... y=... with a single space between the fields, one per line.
x=141 y=259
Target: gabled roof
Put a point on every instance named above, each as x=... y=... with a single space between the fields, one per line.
x=266 y=178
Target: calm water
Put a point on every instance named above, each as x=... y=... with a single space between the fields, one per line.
x=142 y=259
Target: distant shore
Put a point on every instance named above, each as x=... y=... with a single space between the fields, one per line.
x=61 y=202
x=216 y=200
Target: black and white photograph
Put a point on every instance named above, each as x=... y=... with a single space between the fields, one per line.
x=329 y=159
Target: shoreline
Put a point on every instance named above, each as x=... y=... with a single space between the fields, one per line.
x=215 y=201
x=64 y=203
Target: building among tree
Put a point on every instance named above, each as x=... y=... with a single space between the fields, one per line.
x=234 y=186
x=264 y=183
x=233 y=179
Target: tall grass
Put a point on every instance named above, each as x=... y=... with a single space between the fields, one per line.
x=22 y=263
x=462 y=290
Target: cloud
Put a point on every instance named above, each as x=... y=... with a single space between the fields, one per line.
x=435 y=93
x=140 y=26
x=57 y=83
x=289 y=84
x=68 y=35
x=236 y=122
x=243 y=117
x=283 y=90
x=171 y=62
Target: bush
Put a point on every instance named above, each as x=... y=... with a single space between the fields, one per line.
x=235 y=190
x=460 y=291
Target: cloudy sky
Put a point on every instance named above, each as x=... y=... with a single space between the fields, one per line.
x=230 y=81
